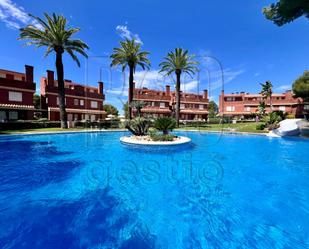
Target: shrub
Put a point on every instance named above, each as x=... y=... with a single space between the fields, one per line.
x=165 y=124
x=290 y=116
x=260 y=127
x=138 y=126
x=21 y=125
x=162 y=137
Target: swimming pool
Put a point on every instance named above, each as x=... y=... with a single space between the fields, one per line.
x=86 y=190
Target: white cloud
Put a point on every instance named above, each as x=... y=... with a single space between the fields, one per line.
x=284 y=87
x=125 y=33
x=15 y=16
x=256 y=74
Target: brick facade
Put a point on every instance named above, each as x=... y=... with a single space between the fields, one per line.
x=82 y=102
x=162 y=103
x=16 y=95
x=245 y=104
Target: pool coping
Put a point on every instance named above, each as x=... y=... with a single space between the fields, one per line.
x=117 y=130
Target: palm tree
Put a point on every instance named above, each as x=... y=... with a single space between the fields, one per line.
x=56 y=36
x=267 y=92
x=129 y=54
x=178 y=62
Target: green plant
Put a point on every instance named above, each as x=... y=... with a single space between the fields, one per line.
x=272 y=120
x=129 y=54
x=54 y=34
x=162 y=137
x=178 y=62
x=165 y=124
x=138 y=126
x=267 y=92
x=260 y=127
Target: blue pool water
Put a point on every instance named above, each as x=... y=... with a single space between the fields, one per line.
x=87 y=190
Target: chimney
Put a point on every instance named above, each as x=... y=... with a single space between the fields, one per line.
x=167 y=90
x=50 y=78
x=205 y=95
x=29 y=73
x=100 y=87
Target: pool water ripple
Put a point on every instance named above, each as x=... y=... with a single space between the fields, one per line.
x=89 y=191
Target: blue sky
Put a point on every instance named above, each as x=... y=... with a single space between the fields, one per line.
x=250 y=48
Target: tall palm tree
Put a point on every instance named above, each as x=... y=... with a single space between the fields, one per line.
x=267 y=91
x=178 y=62
x=129 y=54
x=56 y=36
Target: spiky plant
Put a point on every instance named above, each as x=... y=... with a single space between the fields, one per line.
x=165 y=124
x=54 y=34
x=179 y=61
x=129 y=54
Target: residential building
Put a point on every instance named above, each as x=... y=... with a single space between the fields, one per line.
x=16 y=95
x=159 y=103
x=82 y=102
x=246 y=104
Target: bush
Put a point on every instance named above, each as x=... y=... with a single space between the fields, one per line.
x=290 y=116
x=260 y=127
x=21 y=125
x=165 y=124
x=162 y=137
x=101 y=124
x=138 y=126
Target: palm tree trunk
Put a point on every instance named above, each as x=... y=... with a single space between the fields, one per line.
x=61 y=91
x=131 y=80
x=177 y=98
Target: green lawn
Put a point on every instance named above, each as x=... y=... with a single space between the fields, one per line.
x=239 y=127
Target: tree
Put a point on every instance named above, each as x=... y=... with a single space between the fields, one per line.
x=286 y=11
x=301 y=86
x=110 y=109
x=138 y=105
x=178 y=62
x=56 y=36
x=37 y=101
x=212 y=109
x=126 y=110
x=267 y=92
x=129 y=54
x=262 y=108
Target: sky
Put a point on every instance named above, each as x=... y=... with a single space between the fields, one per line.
x=229 y=38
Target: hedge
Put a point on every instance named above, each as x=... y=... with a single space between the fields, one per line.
x=20 y=125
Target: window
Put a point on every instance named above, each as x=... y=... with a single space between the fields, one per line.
x=306 y=107
x=46 y=100
x=230 y=108
x=13 y=115
x=15 y=96
x=57 y=101
x=76 y=101
x=82 y=102
x=16 y=77
x=2 y=116
x=2 y=75
x=162 y=105
x=93 y=118
x=201 y=107
x=247 y=109
x=230 y=99
x=282 y=108
x=94 y=104
x=153 y=103
x=56 y=83
x=182 y=106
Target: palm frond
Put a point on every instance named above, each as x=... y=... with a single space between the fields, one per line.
x=55 y=35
